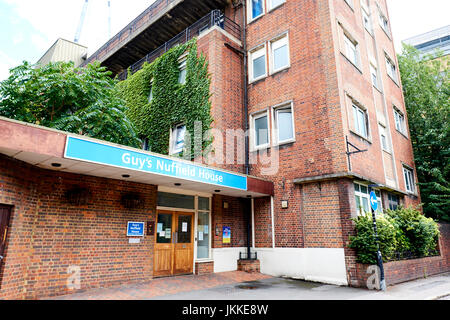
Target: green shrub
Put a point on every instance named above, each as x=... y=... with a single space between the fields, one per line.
x=364 y=241
x=416 y=235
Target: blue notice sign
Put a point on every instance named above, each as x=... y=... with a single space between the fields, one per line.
x=373 y=201
x=114 y=156
x=135 y=229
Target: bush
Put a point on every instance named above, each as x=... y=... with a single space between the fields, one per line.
x=364 y=242
x=416 y=235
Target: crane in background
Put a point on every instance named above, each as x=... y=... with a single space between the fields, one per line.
x=83 y=16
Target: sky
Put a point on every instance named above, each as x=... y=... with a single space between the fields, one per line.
x=29 y=27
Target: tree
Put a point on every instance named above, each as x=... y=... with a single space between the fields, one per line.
x=78 y=100
x=426 y=89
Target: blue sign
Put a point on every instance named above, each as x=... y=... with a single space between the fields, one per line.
x=135 y=229
x=373 y=201
x=99 y=153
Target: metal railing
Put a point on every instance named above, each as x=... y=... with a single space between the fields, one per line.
x=214 y=18
x=129 y=30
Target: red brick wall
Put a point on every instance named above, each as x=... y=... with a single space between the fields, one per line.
x=204 y=268
x=407 y=270
x=47 y=234
x=236 y=217
x=263 y=223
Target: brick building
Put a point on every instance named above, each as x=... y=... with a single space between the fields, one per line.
x=317 y=85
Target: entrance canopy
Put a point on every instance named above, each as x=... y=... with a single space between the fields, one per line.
x=61 y=151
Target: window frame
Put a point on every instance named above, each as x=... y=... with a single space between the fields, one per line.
x=173 y=138
x=275 y=120
x=412 y=183
x=356 y=120
x=377 y=82
x=389 y=65
x=383 y=133
x=250 y=17
x=182 y=66
x=361 y=195
x=272 y=7
x=284 y=39
x=393 y=202
x=253 y=135
x=397 y=116
x=351 y=41
x=256 y=52
x=384 y=23
x=150 y=94
x=366 y=17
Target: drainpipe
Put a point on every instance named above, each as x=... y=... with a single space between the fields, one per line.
x=244 y=43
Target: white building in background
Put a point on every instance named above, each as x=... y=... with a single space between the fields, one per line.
x=64 y=50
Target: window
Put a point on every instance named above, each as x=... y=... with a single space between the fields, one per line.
x=150 y=95
x=260 y=130
x=384 y=139
x=284 y=124
x=374 y=76
x=365 y=5
x=394 y=201
x=367 y=22
x=349 y=2
x=203 y=228
x=400 y=124
x=409 y=180
x=362 y=197
x=384 y=23
x=391 y=69
x=279 y=54
x=256 y=9
x=275 y=3
x=183 y=72
x=257 y=64
x=351 y=50
x=361 y=121
x=177 y=139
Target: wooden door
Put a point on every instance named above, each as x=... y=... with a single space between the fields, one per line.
x=5 y=213
x=184 y=244
x=174 y=244
x=164 y=245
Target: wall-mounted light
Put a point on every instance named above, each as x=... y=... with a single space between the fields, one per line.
x=177 y=184
x=125 y=176
x=56 y=165
x=284 y=204
x=217 y=191
x=225 y=205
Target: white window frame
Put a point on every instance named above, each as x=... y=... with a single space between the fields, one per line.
x=250 y=17
x=366 y=17
x=182 y=67
x=150 y=94
x=365 y=5
x=275 y=121
x=374 y=71
x=272 y=7
x=173 y=138
x=367 y=196
x=255 y=54
x=400 y=121
x=384 y=23
x=383 y=133
x=408 y=176
x=356 y=124
x=349 y=3
x=391 y=68
x=276 y=43
x=253 y=135
x=349 y=44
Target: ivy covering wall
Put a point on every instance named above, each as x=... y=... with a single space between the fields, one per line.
x=172 y=103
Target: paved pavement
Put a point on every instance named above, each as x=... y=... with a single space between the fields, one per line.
x=244 y=286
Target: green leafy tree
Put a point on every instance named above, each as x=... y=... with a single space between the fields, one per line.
x=426 y=88
x=78 y=100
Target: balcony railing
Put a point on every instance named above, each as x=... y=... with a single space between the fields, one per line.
x=129 y=30
x=214 y=18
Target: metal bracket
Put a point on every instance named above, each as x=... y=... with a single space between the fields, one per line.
x=350 y=153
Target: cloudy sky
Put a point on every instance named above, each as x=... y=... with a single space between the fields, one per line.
x=29 y=27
